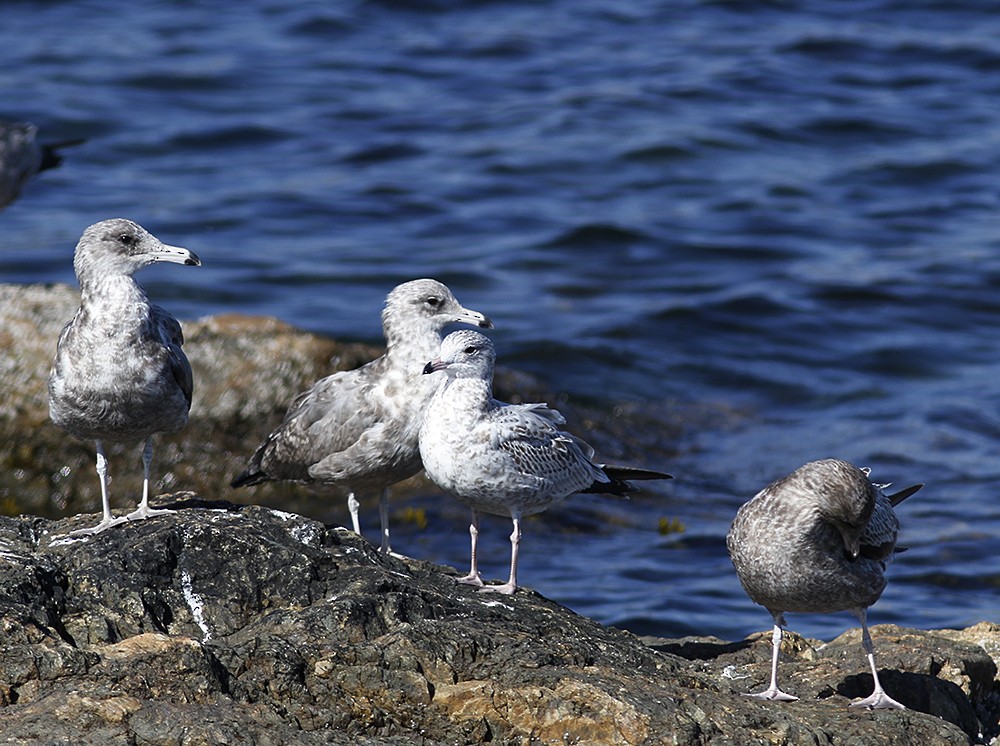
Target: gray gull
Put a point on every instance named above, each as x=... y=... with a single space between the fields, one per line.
x=818 y=540
x=358 y=429
x=22 y=156
x=119 y=372
x=503 y=459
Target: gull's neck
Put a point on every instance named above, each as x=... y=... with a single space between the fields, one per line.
x=111 y=290
x=413 y=345
x=474 y=392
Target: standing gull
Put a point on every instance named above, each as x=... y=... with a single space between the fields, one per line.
x=818 y=540
x=22 y=156
x=358 y=429
x=119 y=372
x=503 y=459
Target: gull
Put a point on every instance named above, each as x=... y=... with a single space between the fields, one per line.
x=119 y=372
x=503 y=459
x=358 y=429
x=818 y=540
x=22 y=156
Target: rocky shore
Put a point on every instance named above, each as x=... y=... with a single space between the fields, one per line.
x=238 y=624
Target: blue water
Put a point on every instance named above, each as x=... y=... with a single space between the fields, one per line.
x=773 y=223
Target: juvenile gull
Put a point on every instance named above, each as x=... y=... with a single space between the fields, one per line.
x=119 y=372
x=818 y=540
x=358 y=429
x=503 y=459
x=22 y=156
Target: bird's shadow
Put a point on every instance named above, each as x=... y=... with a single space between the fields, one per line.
x=920 y=692
x=698 y=648
x=191 y=501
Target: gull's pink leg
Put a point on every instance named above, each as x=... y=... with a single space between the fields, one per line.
x=144 y=511
x=773 y=692
x=473 y=577
x=353 y=506
x=515 y=540
x=107 y=520
x=878 y=698
x=383 y=515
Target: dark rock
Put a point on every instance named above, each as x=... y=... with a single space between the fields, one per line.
x=240 y=624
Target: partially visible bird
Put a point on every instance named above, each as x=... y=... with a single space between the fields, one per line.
x=358 y=429
x=503 y=459
x=119 y=372
x=818 y=540
x=22 y=156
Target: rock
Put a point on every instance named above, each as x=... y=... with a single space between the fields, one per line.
x=238 y=624
x=246 y=371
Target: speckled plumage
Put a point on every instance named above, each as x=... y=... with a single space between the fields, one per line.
x=119 y=373
x=818 y=540
x=503 y=459
x=358 y=429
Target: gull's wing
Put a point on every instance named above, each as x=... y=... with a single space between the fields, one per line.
x=172 y=338
x=528 y=435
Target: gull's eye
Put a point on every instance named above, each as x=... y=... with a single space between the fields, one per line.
x=433 y=301
x=471 y=350
x=127 y=239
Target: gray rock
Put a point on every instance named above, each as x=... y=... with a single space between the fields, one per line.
x=239 y=624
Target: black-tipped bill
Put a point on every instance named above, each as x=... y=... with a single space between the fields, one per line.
x=473 y=318
x=433 y=366
x=176 y=254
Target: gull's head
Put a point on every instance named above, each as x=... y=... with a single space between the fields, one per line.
x=465 y=354
x=122 y=247
x=842 y=495
x=427 y=303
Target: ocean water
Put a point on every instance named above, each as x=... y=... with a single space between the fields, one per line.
x=772 y=225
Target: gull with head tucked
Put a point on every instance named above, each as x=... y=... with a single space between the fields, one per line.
x=503 y=459
x=818 y=540
x=119 y=372
x=358 y=429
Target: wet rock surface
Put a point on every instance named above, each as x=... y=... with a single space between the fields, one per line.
x=237 y=624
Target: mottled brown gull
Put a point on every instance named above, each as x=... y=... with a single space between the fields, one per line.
x=358 y=429
x=503 y=459
x=818 y=540
x=119 y=372
x=22 y=156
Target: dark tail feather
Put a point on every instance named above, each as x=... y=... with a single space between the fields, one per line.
x=904 y=493
x=619 y=476
x=252 y=474
x=50 y=152
x=249 y=478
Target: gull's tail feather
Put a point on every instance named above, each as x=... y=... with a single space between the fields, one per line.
x=254 y=473
x=898 y=497
x=51 y=157
x=619 y=477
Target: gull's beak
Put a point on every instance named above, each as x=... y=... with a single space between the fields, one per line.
x=466 y=316
x=435 y=365
x=176 y=254
x=852 y=542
